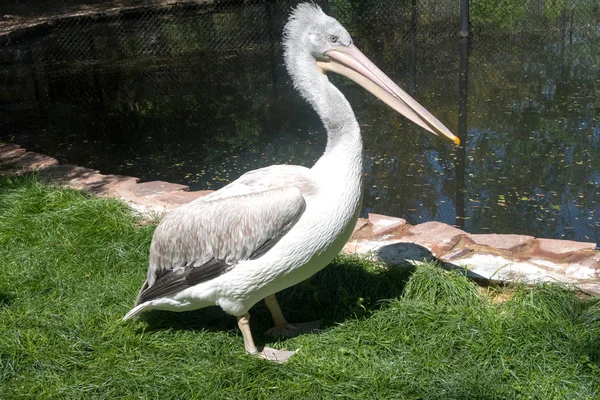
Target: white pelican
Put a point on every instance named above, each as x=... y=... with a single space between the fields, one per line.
x=277 y=226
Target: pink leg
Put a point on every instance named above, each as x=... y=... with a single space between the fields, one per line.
x=279 y=356
x=282 y=327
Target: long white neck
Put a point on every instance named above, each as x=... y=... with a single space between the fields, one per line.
x=343 y=153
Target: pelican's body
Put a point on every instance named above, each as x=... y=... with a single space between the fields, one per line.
x=327 y=211
x=276 y=226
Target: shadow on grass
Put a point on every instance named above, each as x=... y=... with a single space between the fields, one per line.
x=348 y=288
x=5 y=300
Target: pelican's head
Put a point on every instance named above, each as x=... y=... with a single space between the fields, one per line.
x=310 y=33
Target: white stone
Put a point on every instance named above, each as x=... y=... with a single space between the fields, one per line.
x=498 y=268
x=580 y=272
x=392 y=252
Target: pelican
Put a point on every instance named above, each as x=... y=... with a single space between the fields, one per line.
x=277 y=226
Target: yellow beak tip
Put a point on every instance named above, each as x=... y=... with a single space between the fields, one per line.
x=456 y=140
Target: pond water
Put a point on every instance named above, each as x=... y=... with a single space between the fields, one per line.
x=530 y=161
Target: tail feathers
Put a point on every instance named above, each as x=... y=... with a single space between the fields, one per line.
x=135 y=312
x=139 y=296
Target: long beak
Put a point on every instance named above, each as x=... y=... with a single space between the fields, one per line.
x=353 y=64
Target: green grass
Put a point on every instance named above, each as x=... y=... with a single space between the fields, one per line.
x=71 y=265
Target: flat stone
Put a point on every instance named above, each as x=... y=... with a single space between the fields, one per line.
x=31 y=161
x=580 y=272
x=549 y=265
x=86 y=179
x=436 y=236
x=587 y=258
x=510 y=243
x=498 y=268
x=382 y=224
x=6 y=147
x=360 y=223
x=103 y=185
x=456 y=254
x=10 y=155
x=478 y=265
x=398 y=253
x=111 y=185
x=590 y=260
x=355 y=247
x=391 y=252
x=178 y=198
x=590 y=288
x=557 y=249
x=569 y=272
x=363 y=248
x=155 y=188
x=63 y=173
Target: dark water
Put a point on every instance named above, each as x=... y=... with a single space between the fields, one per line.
x=530 y=162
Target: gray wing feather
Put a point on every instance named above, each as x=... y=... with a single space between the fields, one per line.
x=177 y=279
x=206 y=238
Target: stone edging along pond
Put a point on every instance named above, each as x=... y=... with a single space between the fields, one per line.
x=495 y=257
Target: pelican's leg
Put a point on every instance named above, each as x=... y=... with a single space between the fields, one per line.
x=278 y=318
x=267 y=353
x=282 y=327
x=244 y=325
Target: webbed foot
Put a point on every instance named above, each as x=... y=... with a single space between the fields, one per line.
x=278 y=356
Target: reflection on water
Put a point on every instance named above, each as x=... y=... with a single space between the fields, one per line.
x=530 y=162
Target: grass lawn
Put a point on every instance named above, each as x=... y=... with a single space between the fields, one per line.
x=71 y=266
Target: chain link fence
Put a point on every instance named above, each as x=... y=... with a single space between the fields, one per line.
x=165 y=27
x=134 y=29
x=142 y=31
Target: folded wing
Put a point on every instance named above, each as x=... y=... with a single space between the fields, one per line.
x=208 y=237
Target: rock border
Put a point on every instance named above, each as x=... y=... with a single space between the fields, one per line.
x=489 y=257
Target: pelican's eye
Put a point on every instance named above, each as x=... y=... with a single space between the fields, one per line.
x=333 y=39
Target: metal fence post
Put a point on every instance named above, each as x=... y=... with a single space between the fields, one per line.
x=413 y=40
x=464 y=18
x=461 y=152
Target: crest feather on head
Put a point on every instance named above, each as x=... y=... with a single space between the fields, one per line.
x=302 y=16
